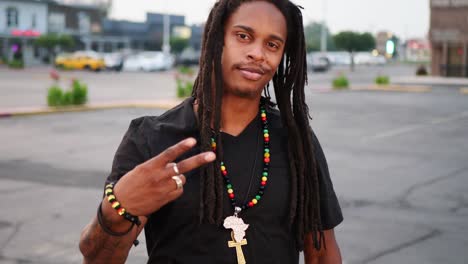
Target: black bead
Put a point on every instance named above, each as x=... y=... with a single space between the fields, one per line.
x=261 y=193
x=262 y=187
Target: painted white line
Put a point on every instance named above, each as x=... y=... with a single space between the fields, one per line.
x=410 y=128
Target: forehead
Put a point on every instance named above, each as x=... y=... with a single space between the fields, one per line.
x=261 y=16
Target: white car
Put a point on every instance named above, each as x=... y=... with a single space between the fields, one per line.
x=113 y=61
x=148 y=61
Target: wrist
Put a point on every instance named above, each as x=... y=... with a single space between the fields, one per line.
x=112 y=219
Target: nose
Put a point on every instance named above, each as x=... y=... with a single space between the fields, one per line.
x=256 y=53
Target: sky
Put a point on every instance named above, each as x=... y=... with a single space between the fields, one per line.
x=405 y=18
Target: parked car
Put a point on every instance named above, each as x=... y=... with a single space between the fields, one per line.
x=318 y=62
x=189 y=56
x=148 y=61
x=81 y=60
x=113 y=61
x=367 y=58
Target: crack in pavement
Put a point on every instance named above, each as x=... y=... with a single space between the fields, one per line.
x=403 y=200
x=401 y=246
x=11 y=236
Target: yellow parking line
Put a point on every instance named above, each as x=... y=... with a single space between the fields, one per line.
x=464 y=90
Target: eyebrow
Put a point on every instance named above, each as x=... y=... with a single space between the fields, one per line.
x=251 y=31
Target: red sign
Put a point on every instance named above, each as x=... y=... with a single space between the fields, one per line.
x=25 y=33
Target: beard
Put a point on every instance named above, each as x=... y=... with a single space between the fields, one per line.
x=244 y=93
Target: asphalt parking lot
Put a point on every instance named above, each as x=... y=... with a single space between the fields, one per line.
x=398 y=162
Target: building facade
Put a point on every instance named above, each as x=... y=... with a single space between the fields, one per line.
x=22 y=21
x=449 y=37
x=146 y=35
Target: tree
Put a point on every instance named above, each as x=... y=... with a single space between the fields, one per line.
x=52 y=41
x=354 y=41
x=313 y=33
x=178 y=44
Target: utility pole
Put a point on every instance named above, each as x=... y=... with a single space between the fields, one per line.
x=166 y=34
x=323 y=38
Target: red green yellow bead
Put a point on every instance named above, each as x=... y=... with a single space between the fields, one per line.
x=121 y=211
x=266 y=160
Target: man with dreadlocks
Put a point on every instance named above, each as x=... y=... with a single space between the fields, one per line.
x=256 y=187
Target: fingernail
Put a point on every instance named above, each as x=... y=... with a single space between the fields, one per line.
x=190 y=142
x=210 y=156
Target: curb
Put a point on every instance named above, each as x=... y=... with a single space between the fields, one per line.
x=396 y=88
x=32 y=111
x=464 y=91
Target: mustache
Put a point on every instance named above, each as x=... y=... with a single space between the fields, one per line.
x=252 y=66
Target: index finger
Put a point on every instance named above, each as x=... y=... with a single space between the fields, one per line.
x=171 y=153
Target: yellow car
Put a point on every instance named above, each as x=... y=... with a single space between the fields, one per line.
x=81 y=60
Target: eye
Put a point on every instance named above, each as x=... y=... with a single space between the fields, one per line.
x=272 y=45
x=243 y=36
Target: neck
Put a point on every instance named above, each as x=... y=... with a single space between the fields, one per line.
x=237 y=113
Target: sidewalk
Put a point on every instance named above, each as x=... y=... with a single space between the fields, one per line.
x=39 y=110
x=431 y=81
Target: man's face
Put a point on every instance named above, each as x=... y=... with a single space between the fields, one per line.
x=254 y=39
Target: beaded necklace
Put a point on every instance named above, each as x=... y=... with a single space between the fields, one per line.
x=234 y=222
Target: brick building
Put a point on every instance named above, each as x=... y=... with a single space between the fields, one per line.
x=449 y=37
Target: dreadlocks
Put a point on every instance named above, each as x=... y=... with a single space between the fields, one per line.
x=288 y=82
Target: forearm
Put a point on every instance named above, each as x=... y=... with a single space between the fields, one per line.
x=326 y=255
x=99 y=247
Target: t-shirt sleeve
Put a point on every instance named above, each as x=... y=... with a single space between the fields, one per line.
x=330 y=209
x=131 y=151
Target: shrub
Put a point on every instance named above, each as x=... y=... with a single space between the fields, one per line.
x=16 y=64
x=421 y=71
x=54 y=96
x=185 y=70
x=79 y=93
x=341 y=82
x=184 y=88
x=382 y=80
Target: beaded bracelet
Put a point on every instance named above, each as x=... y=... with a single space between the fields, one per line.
x=116 y=205
x=110 y=232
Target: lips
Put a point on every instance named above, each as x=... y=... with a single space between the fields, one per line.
x=251 y=73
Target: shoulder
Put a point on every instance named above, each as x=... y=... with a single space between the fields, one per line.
x=180 y=118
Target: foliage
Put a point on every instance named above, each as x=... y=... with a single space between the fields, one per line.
x=184 y=88
x=354 y=41
x=185 y=70
x=50 y=41
x=382 y=80
x=313 y=35
x=178 y=44
x=54 y=96
x=79 y=92
x=340 y=82
x=77 y=95
x=421 y=71
x=184 y=81
x=16 y=64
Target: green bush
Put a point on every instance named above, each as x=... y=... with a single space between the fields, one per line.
x=54 y=96
x=184 y=88
x=382 y=80
x=79 y=92
x=185 y=70
x=16 y=64
x=340 y=82
x=77 y=95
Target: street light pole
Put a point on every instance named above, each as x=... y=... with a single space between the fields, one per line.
x=166 y=34
x=323 y=38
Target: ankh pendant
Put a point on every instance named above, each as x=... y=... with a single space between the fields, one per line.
x=238 y=246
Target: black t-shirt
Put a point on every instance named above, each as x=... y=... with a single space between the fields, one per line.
x=174 y=235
